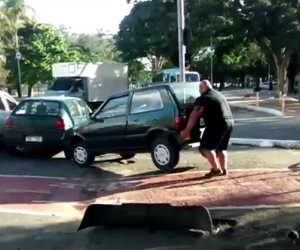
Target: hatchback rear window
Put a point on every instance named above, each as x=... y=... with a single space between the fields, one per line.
x=38 y=108
x=186 y=93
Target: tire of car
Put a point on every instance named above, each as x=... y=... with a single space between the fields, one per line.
x=164 y=153
x=127 y=156
x=82 y=155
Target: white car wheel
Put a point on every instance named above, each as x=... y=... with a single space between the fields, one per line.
x=162 y=154
x=80 y=155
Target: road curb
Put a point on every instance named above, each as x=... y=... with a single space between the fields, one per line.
x=259 y=109
x=266 y=143
x=261 y=143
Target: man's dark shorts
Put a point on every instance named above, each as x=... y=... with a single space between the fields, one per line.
x=216 y=137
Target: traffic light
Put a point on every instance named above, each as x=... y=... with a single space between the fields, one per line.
x=175 y=58
x=187 y=36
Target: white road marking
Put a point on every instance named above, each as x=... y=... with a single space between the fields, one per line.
x=31 y=212
x=33 y=176
x=295 y=205
x=22 y=191
x=266 y=118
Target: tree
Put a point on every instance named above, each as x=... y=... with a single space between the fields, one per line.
x=12 y=18
x=40 y=47
x=3 y=73
x=233 y=54
x=148 y=32
x=95 y=47
x=137 y=75
x=275 y=26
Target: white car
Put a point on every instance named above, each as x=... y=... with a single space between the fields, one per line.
x=7 y=104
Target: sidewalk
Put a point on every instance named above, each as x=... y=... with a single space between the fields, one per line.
x=266 y=100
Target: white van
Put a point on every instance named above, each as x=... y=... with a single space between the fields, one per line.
x=173 y=75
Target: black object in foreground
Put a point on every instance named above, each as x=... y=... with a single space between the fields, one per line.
x=152 y=216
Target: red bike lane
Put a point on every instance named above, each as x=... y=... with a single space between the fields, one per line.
x=70 y=196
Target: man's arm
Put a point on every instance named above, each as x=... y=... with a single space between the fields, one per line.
x=194 y=117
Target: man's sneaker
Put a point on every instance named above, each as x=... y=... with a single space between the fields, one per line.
x=213 y=172
x=225 y=172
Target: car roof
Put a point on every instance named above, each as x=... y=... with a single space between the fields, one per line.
x=50 y=98
x=155 y=86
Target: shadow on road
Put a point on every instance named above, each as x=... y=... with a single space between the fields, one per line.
x=42 y=165
x=160 y=173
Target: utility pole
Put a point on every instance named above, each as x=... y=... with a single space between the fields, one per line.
x=19 y=57
x=211 y=62
x=181 y=46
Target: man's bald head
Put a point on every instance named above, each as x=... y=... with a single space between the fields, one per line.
x=204 y=86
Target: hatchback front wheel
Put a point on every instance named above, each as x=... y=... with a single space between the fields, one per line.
x=82 y=155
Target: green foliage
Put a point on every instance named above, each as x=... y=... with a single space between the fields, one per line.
x=137 y=75
x=12 y=17
x=89 y=47
x=247 y=35
x=149 y=31
x=40 y=48
x=3 y=74
x=275 y=26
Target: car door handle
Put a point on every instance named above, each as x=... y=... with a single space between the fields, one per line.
x=154 y=120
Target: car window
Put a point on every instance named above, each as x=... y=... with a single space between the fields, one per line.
x=38 y=108
x=114 y=107
x=11 y=104
x=77 y=107
x=186 y=93
x=84 y=107
x=73 y=108
x=146 y=101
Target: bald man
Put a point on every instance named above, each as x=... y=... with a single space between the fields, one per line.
x=213 y=107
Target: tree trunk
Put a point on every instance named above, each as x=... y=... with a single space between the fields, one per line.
x=282 y=61
x=157 y=63
x=29 y=90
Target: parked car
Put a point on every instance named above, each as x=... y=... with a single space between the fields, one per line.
x=139 y=120
x=7 y=104
x=44 y=123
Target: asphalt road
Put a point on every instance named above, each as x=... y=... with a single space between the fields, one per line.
x=263 y=230
x=30 y=231
x=251 y=124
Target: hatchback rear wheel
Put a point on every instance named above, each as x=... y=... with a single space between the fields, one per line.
x=164 y=153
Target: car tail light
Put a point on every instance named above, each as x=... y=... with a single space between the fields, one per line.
x=60 y=124
x=179 y=123
x=9 y=122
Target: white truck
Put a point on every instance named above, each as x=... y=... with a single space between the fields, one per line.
x=92 y=82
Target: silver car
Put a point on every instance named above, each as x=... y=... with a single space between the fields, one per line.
x=7 y=104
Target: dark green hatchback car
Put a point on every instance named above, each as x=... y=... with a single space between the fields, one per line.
x=44 y=123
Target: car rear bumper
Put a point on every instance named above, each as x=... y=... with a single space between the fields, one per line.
x=48 y=143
